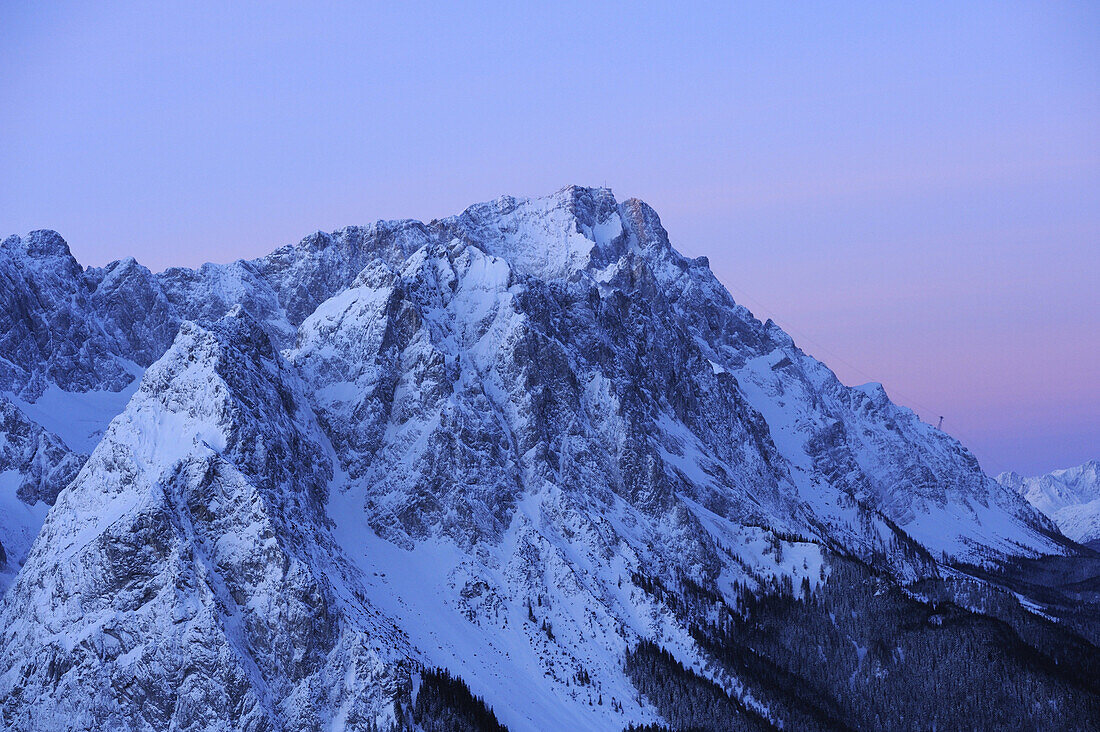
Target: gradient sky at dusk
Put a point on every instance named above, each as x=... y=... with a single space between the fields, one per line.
x=912 y=191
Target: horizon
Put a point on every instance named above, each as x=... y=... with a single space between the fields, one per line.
x=914 y=197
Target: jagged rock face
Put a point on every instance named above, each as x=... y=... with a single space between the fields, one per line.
x=34 y=465
x=306 y=274
x=207 y=293
x=184 y=579
x=44 y=464
x=83 y=330
x=135 y=311
x=76 y=329
x=285 y=287
x=504 y=442
x=1070 y=498
x=457 y=384
x=47 y=331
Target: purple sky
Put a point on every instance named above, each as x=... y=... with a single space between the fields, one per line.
x=913 y=191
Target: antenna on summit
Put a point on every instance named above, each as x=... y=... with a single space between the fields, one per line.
x=940 y=425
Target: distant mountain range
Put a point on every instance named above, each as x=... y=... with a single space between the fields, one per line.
x=531 y=445
x=1070 y=497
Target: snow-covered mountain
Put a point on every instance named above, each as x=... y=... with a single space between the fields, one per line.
x=1070 y=497
x=512 y=443
x=187 y=576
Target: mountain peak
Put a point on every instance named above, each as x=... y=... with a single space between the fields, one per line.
x=589 y=204
x=39 y=243
x=46 y=251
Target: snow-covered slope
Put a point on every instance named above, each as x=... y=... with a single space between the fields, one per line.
x=1070 y=497
x=512 y=443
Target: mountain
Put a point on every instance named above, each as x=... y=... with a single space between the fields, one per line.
x=528 y=457
x=1070 y=497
